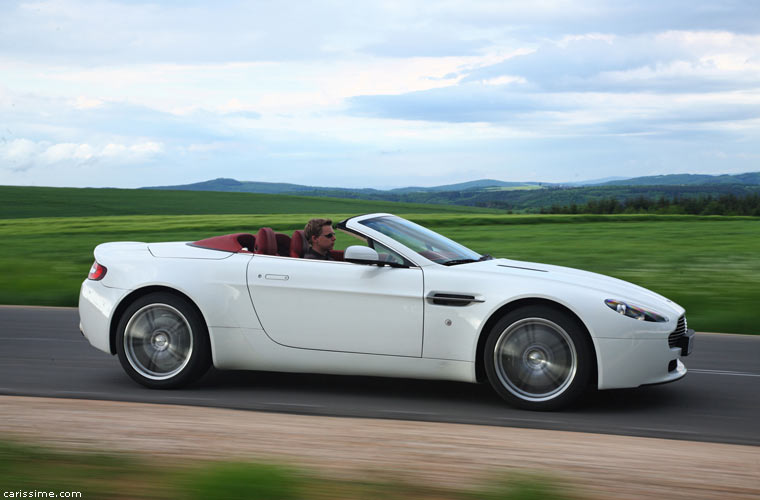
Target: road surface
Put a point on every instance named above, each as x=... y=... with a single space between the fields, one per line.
x=42 y=353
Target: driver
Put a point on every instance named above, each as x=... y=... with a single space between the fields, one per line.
x=321 y=237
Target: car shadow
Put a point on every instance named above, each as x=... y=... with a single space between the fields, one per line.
x=642 y=399
x=344 y=385
x=628 y=401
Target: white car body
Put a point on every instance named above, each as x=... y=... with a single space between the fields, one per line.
x=279 y=313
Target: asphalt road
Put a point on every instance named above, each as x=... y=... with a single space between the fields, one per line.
x=42 y=353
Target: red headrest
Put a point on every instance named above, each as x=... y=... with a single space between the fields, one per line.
x=298 y=244
x=266 y=242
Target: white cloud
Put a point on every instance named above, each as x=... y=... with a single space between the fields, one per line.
x=30 y=153
x=65 y=152
x=567 y=40
x=83 y=102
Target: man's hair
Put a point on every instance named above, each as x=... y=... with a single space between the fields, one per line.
x=314 y=228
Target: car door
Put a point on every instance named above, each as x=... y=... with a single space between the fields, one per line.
x=338 y=306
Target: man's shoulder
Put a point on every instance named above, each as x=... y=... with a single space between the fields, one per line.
x=311 y=254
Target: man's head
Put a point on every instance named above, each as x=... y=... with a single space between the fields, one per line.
x=320 y=235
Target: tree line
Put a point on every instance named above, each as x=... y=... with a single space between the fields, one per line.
x=726 y=204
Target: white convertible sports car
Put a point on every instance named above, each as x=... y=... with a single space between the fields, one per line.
x=407 y=303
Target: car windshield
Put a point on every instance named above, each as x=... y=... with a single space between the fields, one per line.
x=425 y=242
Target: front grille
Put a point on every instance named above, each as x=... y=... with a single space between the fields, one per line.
x=679 y=332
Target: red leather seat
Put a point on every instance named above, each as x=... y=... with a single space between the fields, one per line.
x=298 y=244
x=283 y=244
x=266 y=242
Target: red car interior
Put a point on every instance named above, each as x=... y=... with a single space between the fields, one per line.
x=266 y=242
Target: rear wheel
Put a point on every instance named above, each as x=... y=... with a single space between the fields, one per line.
x=162 y=341
x=538 y=358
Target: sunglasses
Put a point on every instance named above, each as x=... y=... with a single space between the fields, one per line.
x=328 y=235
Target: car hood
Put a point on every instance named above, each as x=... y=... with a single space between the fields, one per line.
x=613 y=288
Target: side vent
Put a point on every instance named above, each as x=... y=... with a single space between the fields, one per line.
x=453 y=299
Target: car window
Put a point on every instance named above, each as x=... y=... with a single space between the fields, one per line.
x=425 y=242
x=387 y=255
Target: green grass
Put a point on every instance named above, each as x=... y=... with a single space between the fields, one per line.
x=24 y=202
x=30 y=469
x=709 y=265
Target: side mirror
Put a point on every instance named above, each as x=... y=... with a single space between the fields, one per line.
x=361 y=255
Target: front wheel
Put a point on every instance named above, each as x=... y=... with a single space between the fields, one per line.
x=538 y=358
x=162 y=341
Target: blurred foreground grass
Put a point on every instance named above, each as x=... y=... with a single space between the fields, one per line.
x=26 y=469
x=709 y=265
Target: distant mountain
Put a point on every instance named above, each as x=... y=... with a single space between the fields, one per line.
x=225 y=184
x=595 y=182
x=515 y=196
x=750 y=178
x=232 y=185
x=463 y=186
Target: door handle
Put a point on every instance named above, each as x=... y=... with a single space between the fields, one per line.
x=279 y=277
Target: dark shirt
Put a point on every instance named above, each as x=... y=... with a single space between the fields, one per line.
x=311 y=254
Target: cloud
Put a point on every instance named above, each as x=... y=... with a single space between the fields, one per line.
x=100 y=91
x=101 y=31
x=598 y=84
x=41 y=117
x=24 y=154
x=471 y=102
x=667 y=62
x=428 y=43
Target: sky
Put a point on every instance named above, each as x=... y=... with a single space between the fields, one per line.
x=375 y=94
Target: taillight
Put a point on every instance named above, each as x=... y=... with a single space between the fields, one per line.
x=97 y=272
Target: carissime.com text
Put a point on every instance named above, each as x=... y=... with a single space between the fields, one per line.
x=42 y=494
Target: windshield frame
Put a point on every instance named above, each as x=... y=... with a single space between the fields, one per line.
x=413 y=241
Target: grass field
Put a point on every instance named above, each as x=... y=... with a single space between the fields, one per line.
x=24 y=202
x=709 y=265
x=34 y=472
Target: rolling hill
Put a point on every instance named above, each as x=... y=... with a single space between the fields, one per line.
x=513 y=196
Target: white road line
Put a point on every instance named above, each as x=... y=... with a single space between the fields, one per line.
x=724 y=372
x=661 y=430
x=529 y=420
x=187 y=398
x=81 y=393
x=293 y=404
x=404 y=412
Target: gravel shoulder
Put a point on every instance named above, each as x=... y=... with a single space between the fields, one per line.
x=463 y=455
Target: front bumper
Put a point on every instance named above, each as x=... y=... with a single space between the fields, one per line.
x=627 y=363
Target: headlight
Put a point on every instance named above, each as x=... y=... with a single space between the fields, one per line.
x=634 y=312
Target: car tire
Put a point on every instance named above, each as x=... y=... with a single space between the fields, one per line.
x=538 y=358
x=162 y=341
